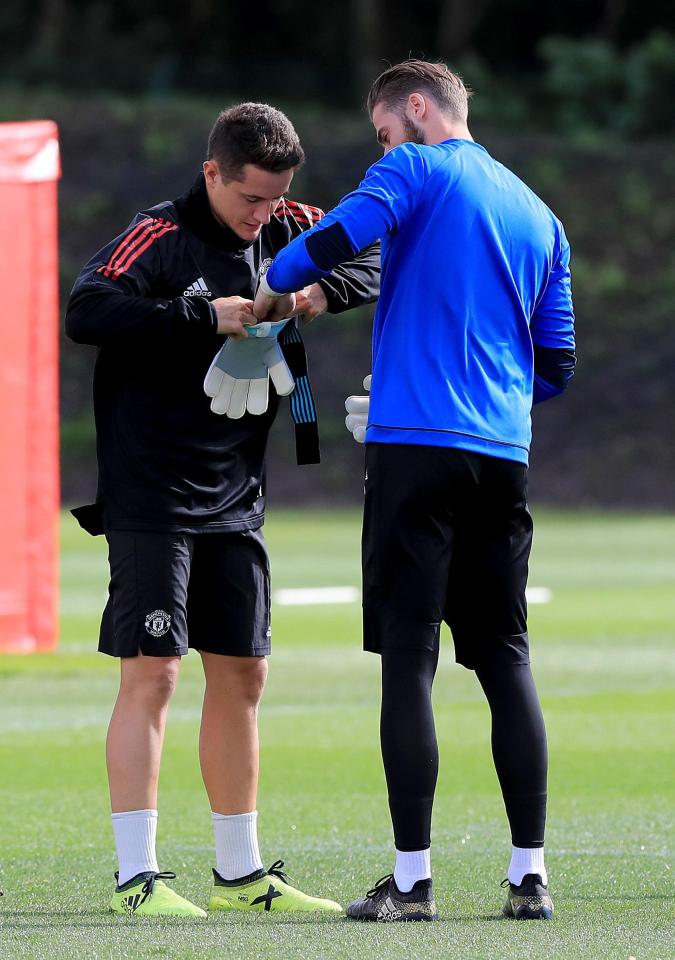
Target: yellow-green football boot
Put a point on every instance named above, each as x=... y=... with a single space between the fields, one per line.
x=146 y=895
x=266 y=890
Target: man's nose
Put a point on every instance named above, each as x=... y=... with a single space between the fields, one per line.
x=263 y=212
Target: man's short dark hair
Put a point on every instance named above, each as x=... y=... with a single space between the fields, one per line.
x=254 y=133
x=393 y=87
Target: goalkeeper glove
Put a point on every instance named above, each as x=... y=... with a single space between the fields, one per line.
x=357 y=413
x=238 y=379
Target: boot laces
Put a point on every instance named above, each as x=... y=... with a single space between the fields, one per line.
x=276 y=871
x=382 y=882
x=149 y=884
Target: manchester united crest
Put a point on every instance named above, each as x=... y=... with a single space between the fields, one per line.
x=158 y=623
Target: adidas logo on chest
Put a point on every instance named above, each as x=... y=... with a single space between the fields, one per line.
x=197 y=289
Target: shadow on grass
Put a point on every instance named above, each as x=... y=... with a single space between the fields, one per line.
x=104 y=920
x=47 y=920
x=50 y=920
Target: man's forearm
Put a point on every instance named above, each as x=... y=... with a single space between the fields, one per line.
x=355 y=224
x=355 y=283
x=292 y=269
x=553 y=370
x=100 y=316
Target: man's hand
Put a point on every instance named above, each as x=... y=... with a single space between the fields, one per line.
x=310 y=302
x=234 y=314
x=272 y=306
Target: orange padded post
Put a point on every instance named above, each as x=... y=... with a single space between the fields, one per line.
x=29 y=461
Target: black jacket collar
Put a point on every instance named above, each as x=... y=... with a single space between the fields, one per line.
x=194 y=212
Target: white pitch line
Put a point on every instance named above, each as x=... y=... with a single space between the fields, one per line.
x=310 y=596
x=538 y=595
x=314 y=596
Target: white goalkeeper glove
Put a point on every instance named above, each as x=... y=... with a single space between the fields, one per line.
x=238 y=379
x=357 y=413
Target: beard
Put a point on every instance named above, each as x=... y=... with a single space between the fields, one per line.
x=413 y=133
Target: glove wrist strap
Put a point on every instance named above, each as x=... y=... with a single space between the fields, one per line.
x=303 y=410
x=267 y=290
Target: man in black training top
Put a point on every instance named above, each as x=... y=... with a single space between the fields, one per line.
x=181 y=490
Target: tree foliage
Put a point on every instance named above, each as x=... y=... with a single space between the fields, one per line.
x=605 y=64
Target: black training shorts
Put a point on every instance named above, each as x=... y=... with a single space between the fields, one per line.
x=172 y=591
x=446 y=537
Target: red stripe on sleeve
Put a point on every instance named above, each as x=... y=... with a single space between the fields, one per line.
x=108 y=268
x=302 y=212
x=120 y=260
x=138 y=239
x=142 y=245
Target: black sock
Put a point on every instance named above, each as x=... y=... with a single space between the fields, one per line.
x=409 y=746
x=518 y=747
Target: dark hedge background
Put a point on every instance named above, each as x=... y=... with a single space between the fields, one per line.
x=577 y=99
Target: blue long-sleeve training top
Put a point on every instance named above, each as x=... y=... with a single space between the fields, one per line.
x=475 y=317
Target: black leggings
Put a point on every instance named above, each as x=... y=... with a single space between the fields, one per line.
x=410 y=749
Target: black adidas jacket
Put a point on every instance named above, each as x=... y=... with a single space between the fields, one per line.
x=166 y=462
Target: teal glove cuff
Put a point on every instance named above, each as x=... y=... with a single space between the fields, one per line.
x=266 y=329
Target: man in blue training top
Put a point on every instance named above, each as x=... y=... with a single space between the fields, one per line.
x=474 y=325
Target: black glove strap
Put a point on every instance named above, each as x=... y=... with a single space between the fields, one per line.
x=303 y=409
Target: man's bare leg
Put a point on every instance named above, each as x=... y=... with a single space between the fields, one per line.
x=136 y=731
x=133 y=755
x=229 y=756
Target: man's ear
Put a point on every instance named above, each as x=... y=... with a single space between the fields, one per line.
x=211 y=171
x=417 y=106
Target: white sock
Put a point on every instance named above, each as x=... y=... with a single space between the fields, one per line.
x=135 y=837
x=526 y=860
x=411 y=866
x=237 y=852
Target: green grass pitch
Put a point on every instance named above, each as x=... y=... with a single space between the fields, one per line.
x=603 y=659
